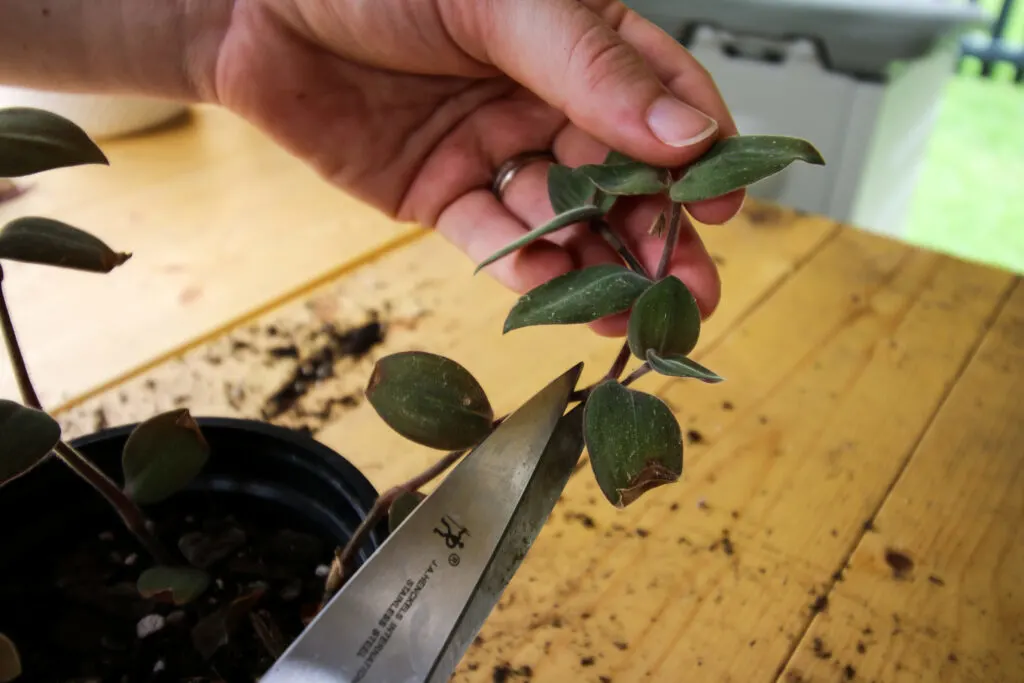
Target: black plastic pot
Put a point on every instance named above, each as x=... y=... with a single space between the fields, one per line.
x=259 y=470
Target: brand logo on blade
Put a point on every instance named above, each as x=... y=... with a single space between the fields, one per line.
x=452 y=532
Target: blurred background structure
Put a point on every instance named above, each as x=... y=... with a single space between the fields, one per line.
x=917 y=105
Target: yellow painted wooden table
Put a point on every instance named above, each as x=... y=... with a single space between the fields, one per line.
x=852 y=507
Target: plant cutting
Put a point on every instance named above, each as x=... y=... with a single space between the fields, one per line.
x=633 y=440
x=182 y=581
x=176 y=549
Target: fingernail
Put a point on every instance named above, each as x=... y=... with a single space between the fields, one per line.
x=678 y=124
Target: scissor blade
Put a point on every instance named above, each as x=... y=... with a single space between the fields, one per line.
x=549 y=479
x=409 y=613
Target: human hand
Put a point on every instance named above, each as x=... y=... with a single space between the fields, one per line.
x=412 y=105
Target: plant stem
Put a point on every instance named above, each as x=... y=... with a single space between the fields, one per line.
x=619 y=364
x=601 y=227
x=636 y=374
x=581 y=395
x=339 y=571
x=671 y=240
x=28 y=392
x=675 y=217
x=340 y=567
x=130 y=514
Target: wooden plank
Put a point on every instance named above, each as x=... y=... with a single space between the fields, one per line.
x=933 y=592
x=220 y=221
x=832 y=381
x=834 y=369
x=428 y=297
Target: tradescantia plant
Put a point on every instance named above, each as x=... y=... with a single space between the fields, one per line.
x=633 y=439
x=162 y=454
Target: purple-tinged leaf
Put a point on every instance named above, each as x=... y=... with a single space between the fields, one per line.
x=47 y=242
x=27 y=436
x=430 y=400
x=665 y=318
x=634 y=441
x=34 y=140
x=162 y=456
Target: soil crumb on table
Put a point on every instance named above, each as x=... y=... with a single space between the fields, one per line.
x=820 y=604
x=302 y=369
x=899 y=563
x=503 y=673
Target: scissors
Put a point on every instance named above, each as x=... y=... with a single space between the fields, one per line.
x=410 y=612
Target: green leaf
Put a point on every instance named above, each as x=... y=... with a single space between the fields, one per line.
x=634 y=441
x=33 y=140
x=627 y=178
x=615 y=158
x=738 y=161
x=51 y=243
x=180 y=585
x=567 y=190
x=402 y=508
x=607 y=201
x=10 y=660
x=562 y=220
x=431 y=400
x=579 y=296
x=681 y=366
x=665 y=318
x=162 y=455
x=27 y=436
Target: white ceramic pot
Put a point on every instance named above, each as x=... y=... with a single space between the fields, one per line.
x=101 y=116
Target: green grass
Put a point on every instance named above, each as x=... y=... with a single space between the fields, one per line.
x=970 y=196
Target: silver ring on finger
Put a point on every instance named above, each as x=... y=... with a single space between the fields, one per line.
x=508 y=170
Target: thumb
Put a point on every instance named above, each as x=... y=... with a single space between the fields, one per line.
x=576 y=61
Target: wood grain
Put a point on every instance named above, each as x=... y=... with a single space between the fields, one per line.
x=827 y=338
x=933 y=592
x=831 y=382
x=427 y=298
x=220 y=221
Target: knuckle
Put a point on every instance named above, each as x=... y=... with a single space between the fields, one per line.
x=600 y=57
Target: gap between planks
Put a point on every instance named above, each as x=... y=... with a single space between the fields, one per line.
x=911 y=451
x=799 y=263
